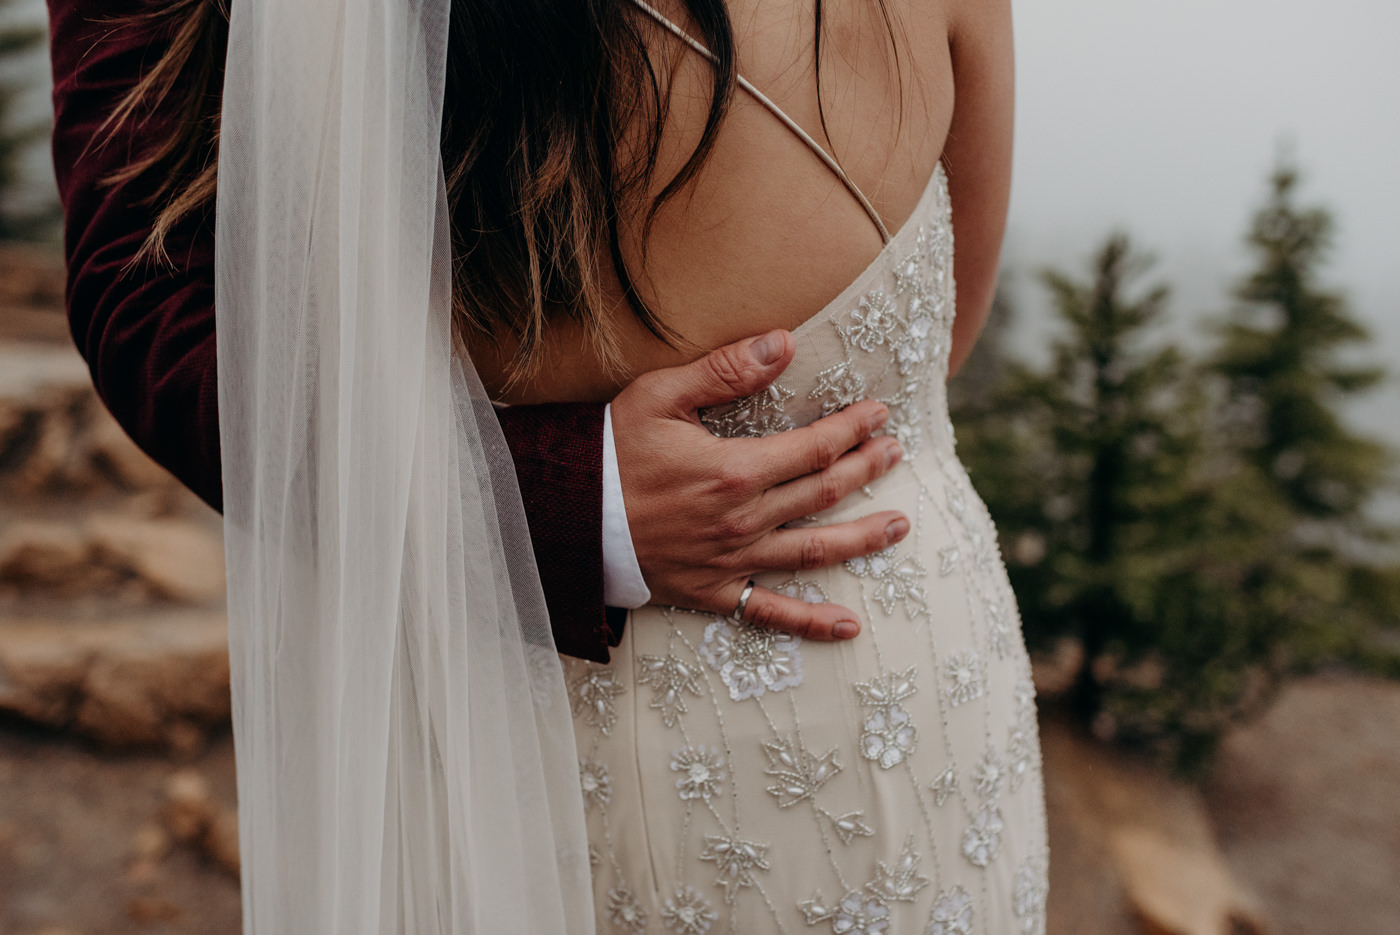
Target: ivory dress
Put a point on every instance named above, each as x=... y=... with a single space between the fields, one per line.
x=746 y=781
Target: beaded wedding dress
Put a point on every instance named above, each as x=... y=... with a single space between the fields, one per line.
x=747 y=781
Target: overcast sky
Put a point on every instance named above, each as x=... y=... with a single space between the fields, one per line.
x=1163 y=119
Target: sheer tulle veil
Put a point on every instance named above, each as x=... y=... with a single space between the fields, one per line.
x=405 y=753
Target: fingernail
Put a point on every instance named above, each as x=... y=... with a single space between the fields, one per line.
x=892 y=455
x=768 y=348
x=879 y=419
x=846 y=629
x=896 y=530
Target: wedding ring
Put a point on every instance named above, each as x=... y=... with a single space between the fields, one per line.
x=743 y=602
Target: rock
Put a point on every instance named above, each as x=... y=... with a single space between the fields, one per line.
x=195 y=818
x=56 y=436
x=145 y=910
x=1306 y=803
x=111 y=452
x=31 y=277
x=177 y=559
x=1180 y=889
x=164 y=558
x=124 y=683
x=1132 y=849
x=51 y=556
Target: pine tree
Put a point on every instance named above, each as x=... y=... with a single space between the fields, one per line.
x=16 y=139
x=1282 y=363
x=1101 y=471
x=1279 y=356
x=1199 y=529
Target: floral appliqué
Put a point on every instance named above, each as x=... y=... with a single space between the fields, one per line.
x=625 y=912
x=751 y=416
x=899 y=881
x=982 y=839
x=701 y=772
x=857 y=913
x=594 y=697
x=595 y=783
x=799 y=773
x=735 y=860
x=964 y=678
x=751 y=660
x=1028 y=895
x=888 y=734
x=896 y=580
x=670 y=679
x=952 y=913
x=686 y=912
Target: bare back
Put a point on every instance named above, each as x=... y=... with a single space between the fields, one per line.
x=766 y=234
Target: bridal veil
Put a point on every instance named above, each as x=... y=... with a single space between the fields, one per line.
x=405 y=753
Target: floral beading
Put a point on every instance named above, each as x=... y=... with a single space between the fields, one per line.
x=751 y=660
x=898 y=771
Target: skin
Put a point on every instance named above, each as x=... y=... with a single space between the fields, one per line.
x=788 y=238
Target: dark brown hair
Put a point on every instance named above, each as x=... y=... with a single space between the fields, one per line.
x=539 y=95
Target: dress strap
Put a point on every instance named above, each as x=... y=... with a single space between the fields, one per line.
x=776 y=111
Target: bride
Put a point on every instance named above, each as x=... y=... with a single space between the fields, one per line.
x=424 y=208
x=738 y=779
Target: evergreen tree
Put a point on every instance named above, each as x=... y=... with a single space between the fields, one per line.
x=1279 y=356
x=1101 y=470
x=1281 y=360
x=1200 y=530
x=16 y=139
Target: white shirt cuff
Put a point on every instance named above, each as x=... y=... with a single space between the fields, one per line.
x=622 y=576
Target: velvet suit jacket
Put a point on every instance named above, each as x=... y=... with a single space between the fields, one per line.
x=147 y=331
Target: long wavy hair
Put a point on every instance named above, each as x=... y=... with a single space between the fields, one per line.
x=552 y=126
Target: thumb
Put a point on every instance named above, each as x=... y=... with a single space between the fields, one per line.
x=732 y=371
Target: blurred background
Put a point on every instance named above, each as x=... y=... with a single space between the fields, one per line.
x=1183 y=417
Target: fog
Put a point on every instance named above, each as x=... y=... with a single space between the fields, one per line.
x=1163 y=119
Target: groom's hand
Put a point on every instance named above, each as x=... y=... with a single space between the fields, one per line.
x=705 y=512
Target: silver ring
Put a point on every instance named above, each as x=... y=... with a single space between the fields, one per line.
x=743 y=604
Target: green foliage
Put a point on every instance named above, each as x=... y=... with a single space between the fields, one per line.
x=1278 y=356
x=1143 y=508
x=16 y=139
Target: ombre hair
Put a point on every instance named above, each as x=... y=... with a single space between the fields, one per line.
x=552 y=123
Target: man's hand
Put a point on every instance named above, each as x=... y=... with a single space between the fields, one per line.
x=705 y=512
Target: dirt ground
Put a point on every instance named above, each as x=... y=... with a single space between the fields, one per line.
x=85 y=847
x=1306 y=805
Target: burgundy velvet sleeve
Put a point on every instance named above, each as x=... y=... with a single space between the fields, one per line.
x=147 y=332
x=553 y=445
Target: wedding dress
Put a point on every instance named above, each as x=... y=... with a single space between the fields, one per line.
x=743 y=780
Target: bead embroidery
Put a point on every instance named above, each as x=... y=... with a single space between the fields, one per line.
x=594 y=697
x=688 y=913
x=799 y=773
x=900 y=881
x=945 y=785
x=897 y=580
x=735 y=860
x=625 y=912
x=952 y=914
x=671 y=680
x=763 y=754
x=982 y=839
x=751 y=660
x=751 y=416
x=851 y=826
x=701 y=772
x=1028 y=898
x=595 y=783
x=963 y=673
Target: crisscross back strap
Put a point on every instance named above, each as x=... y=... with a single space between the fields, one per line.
x=776 y=111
